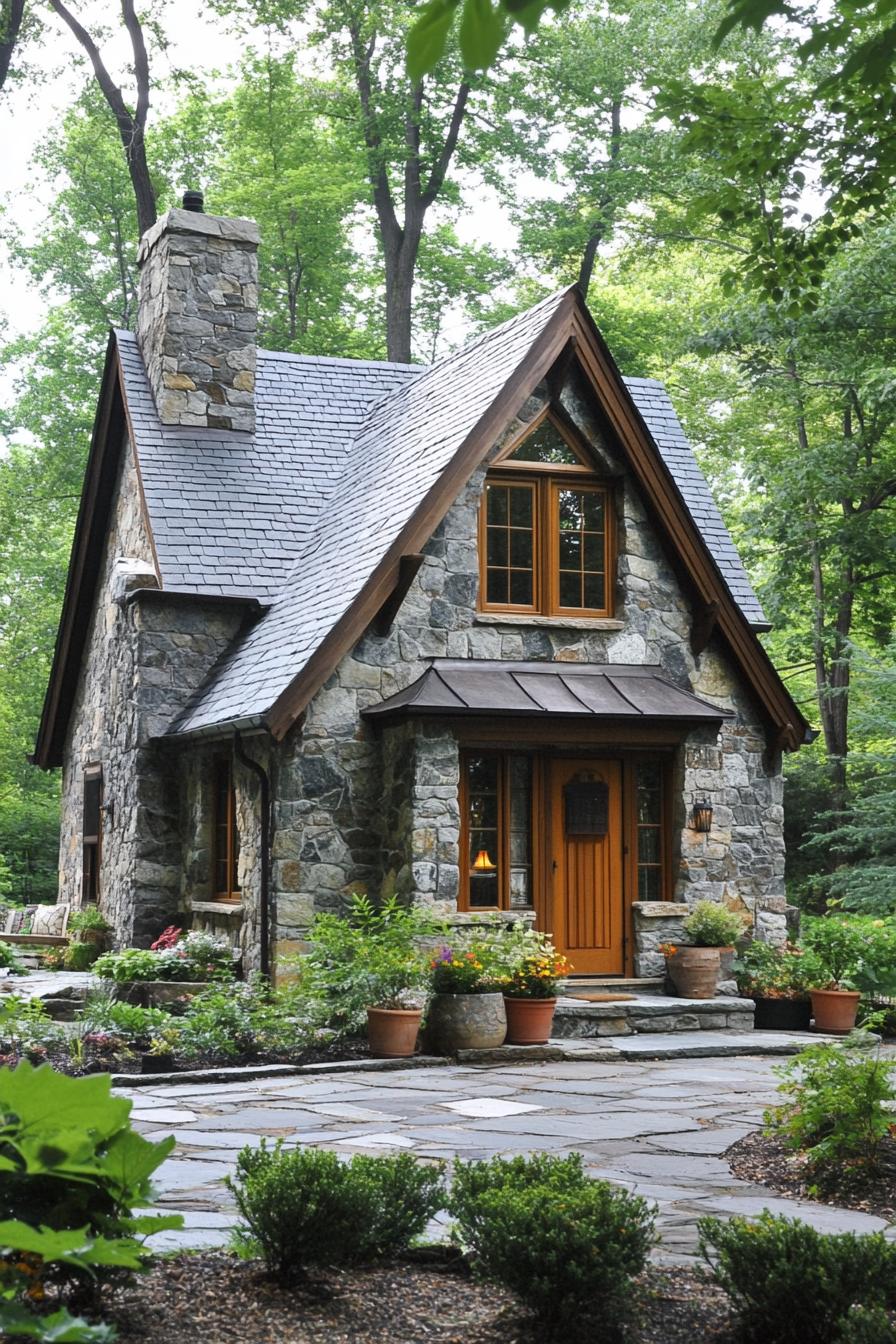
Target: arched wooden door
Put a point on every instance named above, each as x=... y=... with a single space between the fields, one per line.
x=585 y=864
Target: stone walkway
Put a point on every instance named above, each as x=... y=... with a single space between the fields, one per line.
x=658 y=1128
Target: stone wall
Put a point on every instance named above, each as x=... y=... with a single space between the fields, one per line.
x=359 y=813
x=197 y=318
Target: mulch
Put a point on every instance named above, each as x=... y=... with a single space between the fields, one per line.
x=216 y=1298
x=770 y=1162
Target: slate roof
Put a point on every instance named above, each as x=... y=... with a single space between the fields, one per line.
x=565 y=690
x=243 y=515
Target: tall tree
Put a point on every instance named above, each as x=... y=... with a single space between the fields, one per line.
x=12 y=14
x=131 y=123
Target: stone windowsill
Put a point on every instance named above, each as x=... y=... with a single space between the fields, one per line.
x=216 y=907
x=552 y=622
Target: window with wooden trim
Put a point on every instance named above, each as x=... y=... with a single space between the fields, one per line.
x=91 y=835
x=225 y=837
x=496 y=853
x=649 y=804
x=546 y=544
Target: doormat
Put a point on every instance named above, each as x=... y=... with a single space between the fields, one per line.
x=603 y=998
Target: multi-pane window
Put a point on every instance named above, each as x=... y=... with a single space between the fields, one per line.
x=545 y=532
x=497 y=798
x=91 y=834
x=225 y=837
x=649 y=822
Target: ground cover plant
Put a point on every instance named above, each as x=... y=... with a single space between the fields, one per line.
x=304 y=1208
x=569 y=1246
x=72 y=1173
x=789 y=1284
x=193 y=956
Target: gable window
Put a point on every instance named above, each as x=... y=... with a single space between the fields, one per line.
x=91 y=835
x=225 y=839
x=545 y=529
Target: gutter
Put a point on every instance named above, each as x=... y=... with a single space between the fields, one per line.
x=264 y=931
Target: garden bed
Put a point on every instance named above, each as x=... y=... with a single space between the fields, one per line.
x=769 y=1161
x=219 y=1298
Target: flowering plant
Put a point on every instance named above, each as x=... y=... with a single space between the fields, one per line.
x=668 y=949
x=463 y=972
x=538 y=975
x=169 y=937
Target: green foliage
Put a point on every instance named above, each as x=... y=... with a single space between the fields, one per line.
x=71 y=1173
x=712 y=925
x=851 y=952
x=88 y=917
x=767 y=972
x=838 y=1106
x=247 y=1020
x=482 y=27
x=198 y=956
x=9 y=958
x=464 y=970
x=80 y=956
x=371 y=958
x=104 y=1014
x=789 y=1284
x=26 y=1030
x=305 y=1207
x=568 y=1245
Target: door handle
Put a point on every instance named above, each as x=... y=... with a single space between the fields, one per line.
x=554 y=866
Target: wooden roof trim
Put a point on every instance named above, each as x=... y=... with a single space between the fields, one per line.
x=423 y=522
x=568 y=433
x=88 y=543
x=656 y=481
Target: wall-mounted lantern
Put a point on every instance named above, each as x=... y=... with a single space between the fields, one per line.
x=701 y=816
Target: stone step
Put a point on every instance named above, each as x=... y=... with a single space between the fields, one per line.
x=615 y=984
x=649 y=1014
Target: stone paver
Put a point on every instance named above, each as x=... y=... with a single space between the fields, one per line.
x=656 y=1127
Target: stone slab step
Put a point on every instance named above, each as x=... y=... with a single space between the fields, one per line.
x=712 y=1044
x=616 y=984
x=651 y=1014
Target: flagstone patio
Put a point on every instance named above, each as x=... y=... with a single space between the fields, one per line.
x=658 y=1128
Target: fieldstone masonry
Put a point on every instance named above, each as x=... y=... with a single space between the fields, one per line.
x=197 y=318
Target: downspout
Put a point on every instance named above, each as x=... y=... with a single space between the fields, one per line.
x=264 y=886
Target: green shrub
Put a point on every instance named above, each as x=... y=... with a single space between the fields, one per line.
x=134 y=963
x=198 y=956
x=71 y=1173
x=27 y=1031
x=306 y=1207
x=568 y=1245
x=80 y=956
x=9 y=958
x=768 y=972
x=837 y=1106
x=129 y=1020
x=866 y=1325
x=88 y=917
x=789 y=1284
x=713 y=925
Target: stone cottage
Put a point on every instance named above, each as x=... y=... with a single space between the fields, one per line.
x=472 y=633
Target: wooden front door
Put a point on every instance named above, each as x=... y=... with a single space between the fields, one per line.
x=585 y=864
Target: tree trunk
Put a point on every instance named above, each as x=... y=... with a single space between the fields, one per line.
x=400 y=265
x=11 y=14
x=600 y=224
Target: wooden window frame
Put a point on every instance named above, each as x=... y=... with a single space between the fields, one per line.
x=230 y=857
x=502 y=756
x=546 y=481
x=91 y=844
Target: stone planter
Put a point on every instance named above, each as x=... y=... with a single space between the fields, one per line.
x=392 y=1032
x=529 y=1020
x=782 y=1014
x=834 y=1010
x=466 y=1022
x=694 y=972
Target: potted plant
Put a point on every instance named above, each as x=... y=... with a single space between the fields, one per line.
x=775 y=979
x=694 y=966
x=466 y=1011
x=90 y=926
x=836 y=948
x=530 y=992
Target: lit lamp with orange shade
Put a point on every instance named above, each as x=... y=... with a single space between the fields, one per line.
x=482 y=863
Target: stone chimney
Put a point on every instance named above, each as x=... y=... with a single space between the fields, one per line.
x=197 y=317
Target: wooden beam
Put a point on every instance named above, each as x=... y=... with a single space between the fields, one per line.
x=704 y=620
x=408 y=568
x=556 y=375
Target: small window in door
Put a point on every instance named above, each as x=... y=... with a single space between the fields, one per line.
x=226 y=840
x=91 y=835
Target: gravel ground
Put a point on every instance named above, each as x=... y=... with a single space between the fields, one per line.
x=218 y=1299
x=769 y=1161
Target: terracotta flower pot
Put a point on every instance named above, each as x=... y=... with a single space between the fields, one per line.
x=529 y=1020
x=392 y=1032
x=835 y=1010
x=694 y=971
x=466 y=1022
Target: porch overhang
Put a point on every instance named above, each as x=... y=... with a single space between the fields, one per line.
x=610 y=692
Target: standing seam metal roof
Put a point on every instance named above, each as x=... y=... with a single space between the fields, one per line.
x=238 y=514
